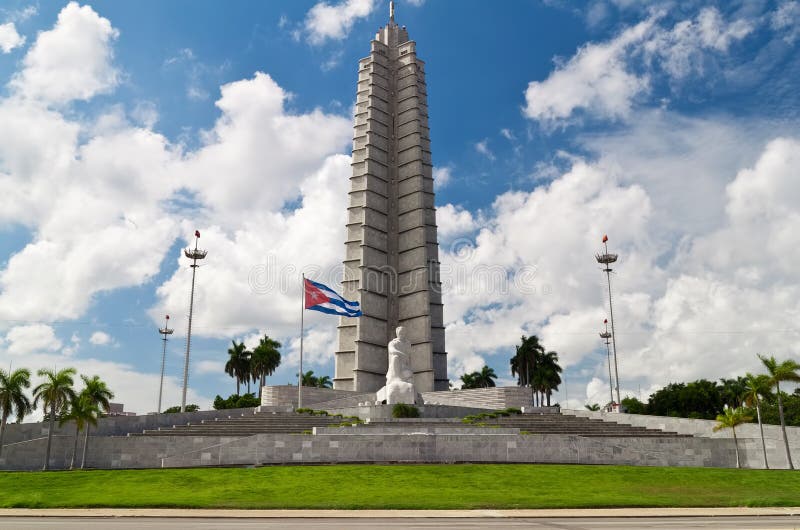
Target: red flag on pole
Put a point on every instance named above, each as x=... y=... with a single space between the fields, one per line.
x=197 y=233
x=605 y=238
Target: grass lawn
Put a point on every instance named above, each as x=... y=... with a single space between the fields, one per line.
x=402 y=487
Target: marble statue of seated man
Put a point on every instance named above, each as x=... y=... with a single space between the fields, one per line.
x=399 y=378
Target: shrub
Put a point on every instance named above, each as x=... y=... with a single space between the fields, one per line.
x=302 y=410
x=401 y=410
x=235 y=401
x=177 y=408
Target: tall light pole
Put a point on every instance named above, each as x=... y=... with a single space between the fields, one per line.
x=606 y=336
x=166 y=332
x=607 y=259
x=193 y=254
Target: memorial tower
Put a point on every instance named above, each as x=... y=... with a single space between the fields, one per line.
x=391 y=263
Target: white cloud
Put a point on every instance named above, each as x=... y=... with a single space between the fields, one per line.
x=210 y=367
x=442 y=176
x=453 y=221
x=482 y=147
x=256 y=268
x=606 y=79
x=319 y=345
x=786 y=19
x=72 y=61
x=695 y=298
x=668 y=154
x=526 y=274
x=100 y=338
x=596 y=79
x=507 y=134
x=19 y=15
x=333 y=22
x=145 y=113
x=105 y=199
x=254 y=117
x=415 y=3
x=682 y=50
x=128 y=176
x=9 y=38
x=32 y=338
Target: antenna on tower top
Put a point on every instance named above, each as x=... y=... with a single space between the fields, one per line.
x=391 y=10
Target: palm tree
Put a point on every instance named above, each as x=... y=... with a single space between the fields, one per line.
x=549 y=374
x=309 y=379
x=264 y=360
x=324 y=381
x=13 y=398
x=729 y=420
x=238 y=365
x=468 y=381
x=732 y=390
x=755 y=387
x=83 y=412
x=778 y=372
x=55 y=393
x=98 y=394
x=525 y=361
x=486 y=377
x=594 y=407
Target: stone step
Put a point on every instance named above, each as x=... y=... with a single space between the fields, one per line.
x=288 y=422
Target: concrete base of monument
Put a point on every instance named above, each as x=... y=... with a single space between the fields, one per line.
x=382 y=412
x=326 y=398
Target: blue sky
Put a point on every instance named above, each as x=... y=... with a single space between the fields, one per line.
x=671 y=126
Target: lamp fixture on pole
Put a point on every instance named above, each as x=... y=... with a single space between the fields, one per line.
x=194 y=254
x=166 y=332
x=605 y=335
x=607 y=259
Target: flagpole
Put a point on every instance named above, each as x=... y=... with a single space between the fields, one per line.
x=302 y=312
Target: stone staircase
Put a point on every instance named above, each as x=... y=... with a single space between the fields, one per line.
x=258 y=423
x=495 y=398
x=292 y=423
x=540 y=424
x=345 y=402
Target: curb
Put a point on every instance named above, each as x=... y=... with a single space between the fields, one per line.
x=401 y=514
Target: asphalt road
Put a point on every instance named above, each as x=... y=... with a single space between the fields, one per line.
x=157 y=523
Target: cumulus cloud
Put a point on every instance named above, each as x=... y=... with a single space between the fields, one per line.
x=442 y=176
x=100 y=338
x=726 y=292
x=597 y=78
x=9 y=38
x=453 y=221
x=333 y=21
x=32 y=338
x=72 y=61
x=523 y=270
x=105 y=198
x=607 y=79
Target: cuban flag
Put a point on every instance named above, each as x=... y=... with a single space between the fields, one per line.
x=322 y=298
